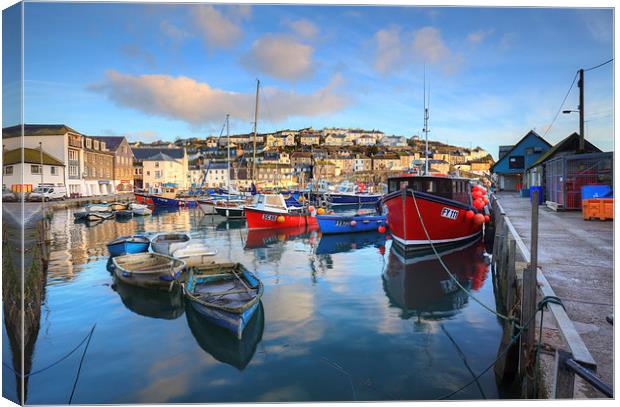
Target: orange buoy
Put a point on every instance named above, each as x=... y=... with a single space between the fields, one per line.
x=469 y=214
x=478 y=219
x=478 y=204
x=280 y=219
x=487 y=218
x=320 y=211
x=381 y=229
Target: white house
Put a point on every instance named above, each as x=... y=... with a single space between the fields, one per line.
x=26 y=175
x=58 y=141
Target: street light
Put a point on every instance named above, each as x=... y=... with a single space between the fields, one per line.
x=570 y=111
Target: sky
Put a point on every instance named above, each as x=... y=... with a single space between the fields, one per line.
x=162 y=71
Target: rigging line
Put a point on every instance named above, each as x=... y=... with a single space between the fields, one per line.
x=454 y=278
x=77 y=376
x=598 y=66
x=561 y=105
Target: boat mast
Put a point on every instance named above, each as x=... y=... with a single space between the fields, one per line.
x=228 y=160
x=255 y=125
x=425 y=129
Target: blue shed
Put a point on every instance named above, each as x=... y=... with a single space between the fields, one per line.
x=510 y=169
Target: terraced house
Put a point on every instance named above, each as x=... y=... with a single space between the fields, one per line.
x=123 y=162
x=98 y=167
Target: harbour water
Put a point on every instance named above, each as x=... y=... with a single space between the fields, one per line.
x=342 y=318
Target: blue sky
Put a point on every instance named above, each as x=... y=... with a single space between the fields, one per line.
x=166 y=71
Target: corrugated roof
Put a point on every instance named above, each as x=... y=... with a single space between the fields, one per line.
x=36 y=130
x=569 y=143
x=31 y=156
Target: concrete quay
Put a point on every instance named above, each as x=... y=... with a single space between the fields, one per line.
x=576 y=258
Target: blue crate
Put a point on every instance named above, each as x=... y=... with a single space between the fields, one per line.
x=596 y=191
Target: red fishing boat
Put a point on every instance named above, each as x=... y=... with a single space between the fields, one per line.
x=443 y=205
x=143 y=198
x=271 y=211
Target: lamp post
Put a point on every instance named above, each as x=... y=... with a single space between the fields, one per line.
x=41 y=169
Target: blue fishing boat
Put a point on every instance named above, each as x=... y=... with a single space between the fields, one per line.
x=349 y=224
x=225 y=293
x=349 y=194
x=165 y=202
x=128 y=245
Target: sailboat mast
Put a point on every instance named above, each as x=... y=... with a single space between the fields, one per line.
x=255 y=125
x=228 y=161
x=426 y=125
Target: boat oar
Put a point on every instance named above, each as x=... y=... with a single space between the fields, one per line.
x=240 y=279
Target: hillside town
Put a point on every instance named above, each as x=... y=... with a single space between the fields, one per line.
x=89 y=165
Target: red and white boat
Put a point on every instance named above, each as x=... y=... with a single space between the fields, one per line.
x=271 y=211
x=143 y=198
x=443 y=203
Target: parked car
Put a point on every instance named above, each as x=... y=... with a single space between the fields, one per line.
x=49 y=192
x=8 y=195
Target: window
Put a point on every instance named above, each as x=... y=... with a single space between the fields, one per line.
x=35 y=169
x=157 y=174
x=89 y=143
x=8 y=170
x=73 y=155
x=54 y=170
x=516 y=162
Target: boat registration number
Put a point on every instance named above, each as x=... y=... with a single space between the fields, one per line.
x=449 y=213
x=343 y=223
x=267 y=216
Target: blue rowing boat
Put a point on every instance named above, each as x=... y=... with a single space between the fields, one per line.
x=129 y=245
x=227 y=294
x=349 y=224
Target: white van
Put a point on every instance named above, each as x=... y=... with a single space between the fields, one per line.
x=49 y=192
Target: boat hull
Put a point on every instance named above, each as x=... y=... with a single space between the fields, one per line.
x=263 y=219
x=352 y=199
x=234 y=322
x=230 y=212
x=444 y=219
x=344 y=224
x=123 y=248
x=206 y=206
x=165 y=202
x=157 y=279
x=144 y=199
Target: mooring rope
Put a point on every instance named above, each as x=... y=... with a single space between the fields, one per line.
x=541 y=305
x=87 y=337
x=458 y=283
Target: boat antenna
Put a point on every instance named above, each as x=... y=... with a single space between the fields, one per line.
x=255 y=125
x=228 y=152
x=425 y=129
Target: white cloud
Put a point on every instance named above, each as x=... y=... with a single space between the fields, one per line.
x=304 y=28
x=477 y=37
x=217 y=29
x=388 y=54
x=281 y=57
x=428 y=45
x=198 y=103
x=175 y=33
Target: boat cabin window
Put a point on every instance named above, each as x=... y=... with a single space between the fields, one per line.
x=455 y=189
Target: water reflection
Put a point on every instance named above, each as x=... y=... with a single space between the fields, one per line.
x=150 y=303
x=344 y=242
x=230 y=224
x=224 y=345
x=261 y=238
x=420 y=286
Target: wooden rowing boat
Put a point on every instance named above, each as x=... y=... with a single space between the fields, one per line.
x=225 y=293
x=149 y=270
